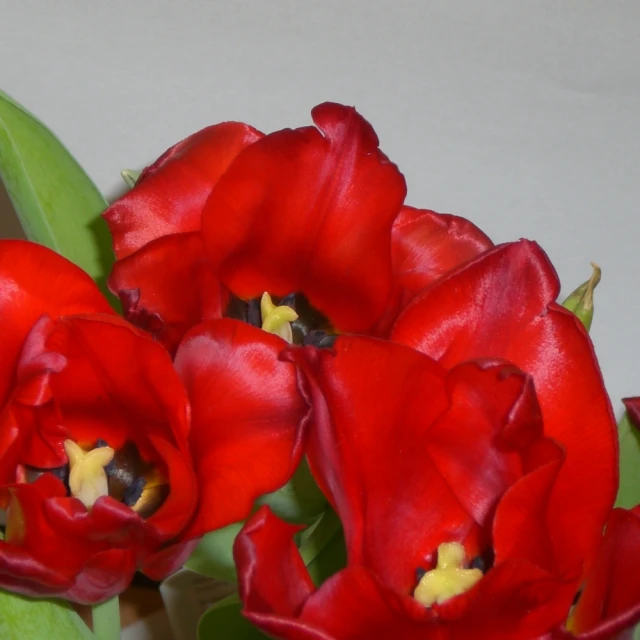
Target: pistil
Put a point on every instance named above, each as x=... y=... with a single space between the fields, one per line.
x=448 y=579
x=87 y=476
x=277 y=319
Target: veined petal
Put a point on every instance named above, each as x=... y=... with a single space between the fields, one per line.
x=310 y=210
x=170 y=194
x=501 y=305
x=246 y=417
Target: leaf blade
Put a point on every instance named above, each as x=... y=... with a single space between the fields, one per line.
x=55 y=200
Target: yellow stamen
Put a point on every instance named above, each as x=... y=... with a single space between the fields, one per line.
x=448 y=579
x=87 y=477
x=275 y=319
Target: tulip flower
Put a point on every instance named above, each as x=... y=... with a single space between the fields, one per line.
x=449 y=487
x=312 y=216
x=113 y=458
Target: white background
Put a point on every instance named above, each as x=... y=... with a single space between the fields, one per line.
x=522 y=116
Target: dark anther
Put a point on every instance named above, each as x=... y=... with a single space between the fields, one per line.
x=576 y=598
x=484 y=562
x=318 y=338
x=289 y=300
x=420 y=572
x=133 y=492
x=125 y=468
x=100 y=443
x=62 y=473
x=254 y=315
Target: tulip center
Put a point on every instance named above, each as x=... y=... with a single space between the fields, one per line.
x=291 y=317
x=100 y=470
x=450 y=578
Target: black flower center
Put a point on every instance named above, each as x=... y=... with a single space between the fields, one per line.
x=311 y=327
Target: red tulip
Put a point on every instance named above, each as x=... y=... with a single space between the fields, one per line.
x=318 y=212
x=114 y=460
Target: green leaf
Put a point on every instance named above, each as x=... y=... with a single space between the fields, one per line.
x=300 y=500
x=22 y=617
x=331 y=559
x=225 y=622
x=213 y=556
x=629 y=491
x=57 y=203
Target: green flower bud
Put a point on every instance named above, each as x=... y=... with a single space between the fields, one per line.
x=580 y=301
x=130 y=177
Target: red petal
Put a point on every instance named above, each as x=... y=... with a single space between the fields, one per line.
x=426 y=245
x=502 y=306
x=246 y=413
x=310 y=211
x=610 y=601
x=167 y=561
x=431 y=460
x=38 y=560
x=632 y=406
x=271 y=574
x=521 y=527
x=170 y=194
x=514 y=601
x=167 y=287
x=35 y=281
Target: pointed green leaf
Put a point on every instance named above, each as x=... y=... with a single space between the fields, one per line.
x=22 y=617
x=629 y=491
x=224 y=621
x=57 y=203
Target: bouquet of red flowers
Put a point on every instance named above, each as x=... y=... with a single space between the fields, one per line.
x=367 y=418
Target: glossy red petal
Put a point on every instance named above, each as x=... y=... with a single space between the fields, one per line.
x=426 y=245
x=521 y=527
x=310 y=210
x=271 y=574
x=632 y=406
x=167 y=287
x=610 y=600
x=170 y=194
x=35 y=281
x=246 y=417
x=432 y=454
x=502 y=305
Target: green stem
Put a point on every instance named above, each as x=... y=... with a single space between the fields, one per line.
x=106 y=620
